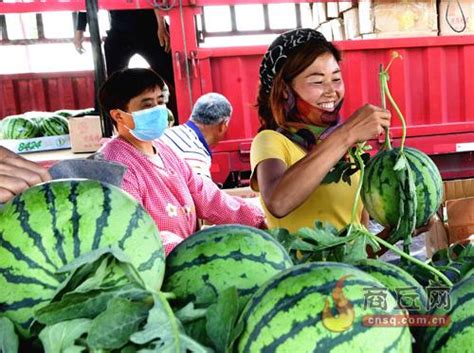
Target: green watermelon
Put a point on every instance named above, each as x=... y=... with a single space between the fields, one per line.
x=18 y=127
x=50 y=224
x=219 y=257
x=380 y=193
x=397 y=280
x=458 y=336
x=66 y=113
x=295 y=312
x=54 y=125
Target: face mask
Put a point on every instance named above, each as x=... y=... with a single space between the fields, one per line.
x=313 y=115
x=150 y=123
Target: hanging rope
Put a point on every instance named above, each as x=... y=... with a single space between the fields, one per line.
x=462 y=15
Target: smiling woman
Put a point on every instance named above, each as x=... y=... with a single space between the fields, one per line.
x=301 y=138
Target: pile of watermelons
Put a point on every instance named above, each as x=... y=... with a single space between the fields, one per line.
x=82 y=269
x=38 y=124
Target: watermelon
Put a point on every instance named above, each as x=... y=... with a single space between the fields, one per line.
x=211 y=260
x=458 y=335
x=295 y=312
x=50 y=224
x=18 y=127
x=397 y=280
x=54 y=125
x=380 y=189
x=66 y=113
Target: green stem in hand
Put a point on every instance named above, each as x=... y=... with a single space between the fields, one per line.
x=412 y=259
x=383 y=78
x=357 y=156
x=400 y=115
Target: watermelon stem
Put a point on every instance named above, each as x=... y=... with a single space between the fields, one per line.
x=400 y=115
x=357 y=155
x=383 y=77
x=168 y=295
x=385 y=91
x=410 y=258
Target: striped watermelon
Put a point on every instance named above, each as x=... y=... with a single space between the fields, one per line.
x=51 y=224
x=219 y=257
x=286 y=314
x=380 y=193
x=458 y=336
x=54 y=125
x=396 y=280
x=18 y=127
x=74 y=112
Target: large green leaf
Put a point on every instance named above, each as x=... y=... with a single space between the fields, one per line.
x=61 y=337
x=8 y=337
x=112 y=329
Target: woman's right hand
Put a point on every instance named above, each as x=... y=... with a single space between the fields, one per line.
x=368 y=122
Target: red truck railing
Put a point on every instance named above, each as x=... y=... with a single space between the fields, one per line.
x=432 y=85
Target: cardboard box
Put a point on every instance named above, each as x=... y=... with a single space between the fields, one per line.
x=326 y=30
x=459 y=208
x=436 y=238
x=319 y=10
x=351 y=23
x=460 y=219
x=457 y=221
x=345 y=5
x=85 y=133
x=451 y=19
x=458 y=189
x=405 y=18
x=37 y=144
x=337 y=29
x=332 y=9
x=366 y=17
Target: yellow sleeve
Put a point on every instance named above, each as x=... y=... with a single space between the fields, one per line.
x=267 y=144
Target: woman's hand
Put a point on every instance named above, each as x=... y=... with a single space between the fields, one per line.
x=384 y=234
x=367 y=122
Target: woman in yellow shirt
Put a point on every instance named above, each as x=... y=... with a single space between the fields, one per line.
x=301 y=138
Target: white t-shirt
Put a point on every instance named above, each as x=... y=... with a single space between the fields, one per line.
x=185 y=142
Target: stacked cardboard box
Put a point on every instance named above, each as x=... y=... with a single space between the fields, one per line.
x=456 y=17
x=405 y=18
x=456 y=220
x=328 y=18
x=379 y=18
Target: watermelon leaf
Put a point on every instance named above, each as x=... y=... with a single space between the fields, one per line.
x=86 y=305
x=401 y=163
x=164 y=331
x=62 y=336
x=8 y=337
x=93 y=256
x=407 y=208
x=112 y=328
x=189 y=313
x=283 y=236
x=161 y=324
x=102 y=267
x=97 y=278
x=221 y=318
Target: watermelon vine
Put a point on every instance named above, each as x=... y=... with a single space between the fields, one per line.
x=408 y=201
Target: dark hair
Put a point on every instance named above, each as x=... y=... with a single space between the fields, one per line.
x=124 y=85
x=273 y=108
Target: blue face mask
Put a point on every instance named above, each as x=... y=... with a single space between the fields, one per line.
x=150 y=123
